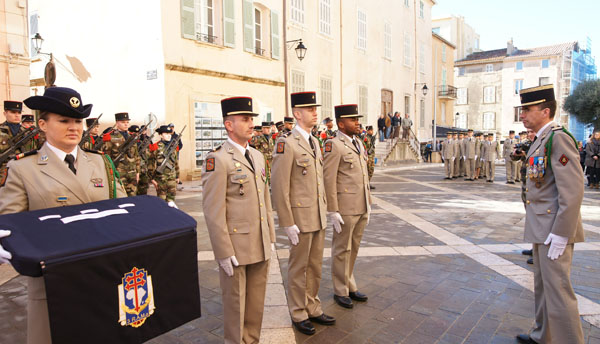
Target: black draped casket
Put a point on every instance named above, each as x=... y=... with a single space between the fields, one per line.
x=116 y=271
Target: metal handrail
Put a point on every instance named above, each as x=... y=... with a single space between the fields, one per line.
x=206 y=38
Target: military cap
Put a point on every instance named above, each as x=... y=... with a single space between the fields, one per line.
x=266 y=124
x=369 y=127
x=279 y=124
x=171 y=125
x=327 y=120
x=134 y=129
x=60 y=100
x=346 y=111
x=90 y=121
x=449 y=133
x=27 y=118
x=288 y=119
x=470 y=130
x=12 y=105
x=164 y=129
x=304 y=99
x=122 y=116
x=511 y=132
x=536 y=95
x=271 y=123
x=257 y=127
x=237 y=106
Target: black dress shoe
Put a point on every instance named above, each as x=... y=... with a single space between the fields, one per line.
x=343 y=301
x=358 y=296
x=323 y=319
x=371 y=187
x=524 y=338
x=530 y=261
x=447 y=178
x=304 y=326
x=527 y=252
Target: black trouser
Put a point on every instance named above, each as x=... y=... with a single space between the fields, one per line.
x=594 y=174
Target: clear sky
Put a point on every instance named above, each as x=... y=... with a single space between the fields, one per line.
x=531 y=23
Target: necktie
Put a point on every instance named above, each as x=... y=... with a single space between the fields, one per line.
x=355 y=145
x=247 y=155
x=70 y=159
x=312 y=145
x=535 y=138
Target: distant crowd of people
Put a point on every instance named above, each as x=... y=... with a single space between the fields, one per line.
x=388 y=126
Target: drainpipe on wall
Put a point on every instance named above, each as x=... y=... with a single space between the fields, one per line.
x=285 y=58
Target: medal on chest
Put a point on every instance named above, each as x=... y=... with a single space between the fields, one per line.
x=537 y=170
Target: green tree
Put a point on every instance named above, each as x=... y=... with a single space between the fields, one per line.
x=584 y=103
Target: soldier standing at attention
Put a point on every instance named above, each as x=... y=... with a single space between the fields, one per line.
x=93 y=138
x=480 y=165
x=59 y=174
x=329 y=132
x=9 y=129
x=288 y=124
x=511 y=166
x=457 y=155
x=554 y=193
x=129 y=166
x=255 y=134
x=144 y=152
x=238 y=214
x=27 y=121
x=166 y=181
x=264 y=144
x=370 y=148
x=300 y=200
x=448 y=155
x=491 y=151
x=470 y=145
x=348 y=202
x=462 y=162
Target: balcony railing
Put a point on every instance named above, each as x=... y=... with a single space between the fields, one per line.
x=259 y=51
x=447 y=91
x=202 y=37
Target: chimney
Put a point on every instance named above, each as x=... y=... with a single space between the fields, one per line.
x=510 y=48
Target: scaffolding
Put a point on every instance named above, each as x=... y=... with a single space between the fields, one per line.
x=583 y=68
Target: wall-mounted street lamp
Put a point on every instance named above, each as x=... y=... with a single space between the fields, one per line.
x=50 y=69
x=424 y=89
x=300 y=48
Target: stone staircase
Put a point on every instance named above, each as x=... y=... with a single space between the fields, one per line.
x=397 y=150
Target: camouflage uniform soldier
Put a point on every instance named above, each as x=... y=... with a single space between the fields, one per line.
x=144 y=182
x=369 y=141
x=165 y=182
x=129 y=166
x=265 y=145
x=28 y=121
x=11 y=128
x=93 y=138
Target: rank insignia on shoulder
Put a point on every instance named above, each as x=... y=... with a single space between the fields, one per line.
x=218 y=147
x=563 y=160
x=22 y=155
x=280 y=147
x=328 y=147
x=3 y=177
x=210 y=164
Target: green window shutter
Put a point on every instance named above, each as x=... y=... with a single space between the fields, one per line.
x=275 y=35
x=229 y=23
x=248 y=15
x=188 y=21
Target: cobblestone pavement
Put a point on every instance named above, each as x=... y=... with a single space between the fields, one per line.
x=440 y=262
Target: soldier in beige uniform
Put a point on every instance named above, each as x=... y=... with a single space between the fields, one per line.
x=300 y=201
x=511 y=166
x=237 y=209
x=491 y=151
x=448 y=155
x=59 y=174
x=470 y=154
x=348 y=201
x=554 y=193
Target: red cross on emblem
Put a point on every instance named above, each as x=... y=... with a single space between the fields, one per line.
x=135 y=281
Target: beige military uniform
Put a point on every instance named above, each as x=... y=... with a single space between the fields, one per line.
x=511 y=166
x=490 y=152
x=347 y=188
x=35 y=182
x=554 y=207
x=237 y=209
x=299 y=199
x=449 y=153
x=458 y=158
x=470 y=153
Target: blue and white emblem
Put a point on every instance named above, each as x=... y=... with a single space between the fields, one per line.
x=136 y=298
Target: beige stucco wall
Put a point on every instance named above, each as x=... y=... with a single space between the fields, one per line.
x=14 y=52
x=443 y=103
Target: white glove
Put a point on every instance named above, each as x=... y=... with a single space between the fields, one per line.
x=172 y=205
x=5 y=256
x=337 y=221
x=557 y=245
x=453 y=158
x=368 y=218
x=227 y=264
x=272 y=247
x=475 y=157
x=464 y=157
x=292 y=233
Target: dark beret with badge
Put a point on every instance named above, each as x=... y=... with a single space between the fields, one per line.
x=164 y=129
x=27 y=118
x=11 y=105
x=60 y=100
x=90 y=121
x=536 y=95
x=303 y=99
x=122 y=116
x=346 y=111
x=237 y=106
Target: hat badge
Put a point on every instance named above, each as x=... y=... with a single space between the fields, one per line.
x=74 y=102
x=249 y=103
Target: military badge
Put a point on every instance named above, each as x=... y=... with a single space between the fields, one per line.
x=136 y=298
x=563 y=160
x=328 y=147
x=210 y=164
x=3 y=177
x=97 y=182
x=280 y=147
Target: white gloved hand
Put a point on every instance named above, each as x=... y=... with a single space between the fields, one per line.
x=227 y=264
x=337 y=221
x=464 y=157
x=368 y=218
x=453 y=158
x=5 y=256
x=557 y=245
x=172 y=205
x=292 y=233
x=272 y=247
x=475 y=157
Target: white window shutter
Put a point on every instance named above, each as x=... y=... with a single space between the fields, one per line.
x=248 y=16
x=188 y=19
x=275 y=35
x=229 y=23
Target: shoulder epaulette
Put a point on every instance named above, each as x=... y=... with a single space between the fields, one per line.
x=26 y=154
x=286 y=134
x=92 y=151
x=217 y=147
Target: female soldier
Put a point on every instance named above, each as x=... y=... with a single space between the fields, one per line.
x=58 y=174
